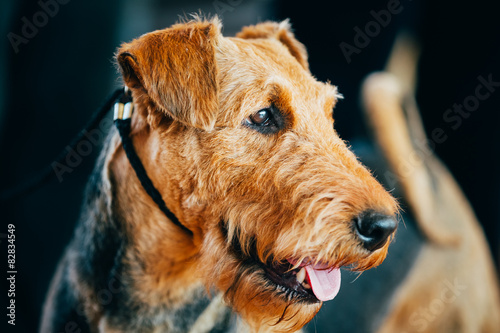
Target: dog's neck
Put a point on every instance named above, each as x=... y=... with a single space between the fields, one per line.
x=137 y=255
x=162 y=255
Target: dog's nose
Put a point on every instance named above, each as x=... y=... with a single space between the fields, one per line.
x=374 y=229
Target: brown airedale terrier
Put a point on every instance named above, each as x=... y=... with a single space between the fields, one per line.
x=237 y=137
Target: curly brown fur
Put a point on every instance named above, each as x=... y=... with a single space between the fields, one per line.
x=252 y=197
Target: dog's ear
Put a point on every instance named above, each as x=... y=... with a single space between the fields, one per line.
x=280 y=31
x=177 y=69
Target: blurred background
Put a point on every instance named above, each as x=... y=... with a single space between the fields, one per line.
x=57 y=67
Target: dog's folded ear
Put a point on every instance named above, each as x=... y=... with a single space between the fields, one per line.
x=280 y=31
x=177 y=69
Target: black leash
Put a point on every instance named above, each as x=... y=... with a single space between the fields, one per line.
x=123 y=109
x=122 y=117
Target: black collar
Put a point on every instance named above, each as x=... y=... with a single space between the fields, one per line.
x=122 y=114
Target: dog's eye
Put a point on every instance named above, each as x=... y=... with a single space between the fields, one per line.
x=266 y=121
x=261 y=118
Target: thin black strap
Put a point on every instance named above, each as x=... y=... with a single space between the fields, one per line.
x=123 y=126
x=48 y=172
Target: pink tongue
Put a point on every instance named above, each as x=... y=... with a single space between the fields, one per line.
x=325 y=283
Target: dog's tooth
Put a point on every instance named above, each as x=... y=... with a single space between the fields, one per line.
x=306 y=285
x=301 y=275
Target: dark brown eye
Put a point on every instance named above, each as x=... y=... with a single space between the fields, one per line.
x=261 y=118
x=266 y=121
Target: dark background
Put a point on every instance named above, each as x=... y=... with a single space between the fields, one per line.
x=64 y=71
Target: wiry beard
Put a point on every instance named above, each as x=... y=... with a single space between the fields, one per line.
x=247 y=289
x=234 y=262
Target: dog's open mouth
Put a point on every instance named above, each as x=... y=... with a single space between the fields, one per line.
x=308 y=282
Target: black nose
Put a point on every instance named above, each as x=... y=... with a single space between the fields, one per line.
x=374 y=229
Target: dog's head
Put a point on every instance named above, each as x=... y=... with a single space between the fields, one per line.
x=242 y=146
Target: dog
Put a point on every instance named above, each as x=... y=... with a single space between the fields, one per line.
x=439 y=275
x=451 y=284
x=238 y=138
